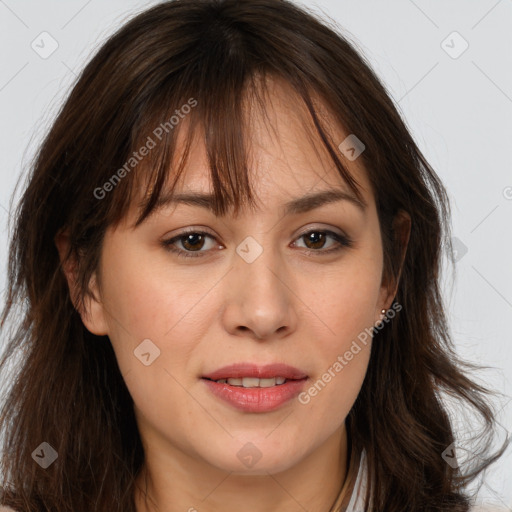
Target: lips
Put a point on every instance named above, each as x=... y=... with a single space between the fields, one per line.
x=250 y=370
x=255 y=389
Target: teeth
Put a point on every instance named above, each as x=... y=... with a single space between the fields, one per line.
x=266 y=383
x=253 y=382
x=250 y=382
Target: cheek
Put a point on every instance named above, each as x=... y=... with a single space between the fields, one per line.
x=343 y=317
x=144 y=300
x=148 y=304
x=342 y=347
x=345 y=300
x=144 y=296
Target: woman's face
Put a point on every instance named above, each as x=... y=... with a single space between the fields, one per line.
x=269 y=287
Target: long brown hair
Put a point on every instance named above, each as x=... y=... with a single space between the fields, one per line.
x=66 y=388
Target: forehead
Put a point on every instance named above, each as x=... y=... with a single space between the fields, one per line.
x=286 y=154
x=286 y=157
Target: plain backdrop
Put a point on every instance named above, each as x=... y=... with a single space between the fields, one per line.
x=446 y=64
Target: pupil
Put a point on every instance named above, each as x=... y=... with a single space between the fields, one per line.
x=316 y=235
x=189 y=240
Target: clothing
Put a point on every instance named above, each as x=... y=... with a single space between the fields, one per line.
x=356 y=503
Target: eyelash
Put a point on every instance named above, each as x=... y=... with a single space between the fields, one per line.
x=343 y=241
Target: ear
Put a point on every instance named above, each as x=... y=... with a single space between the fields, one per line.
x=93 y=312
x=401 y=231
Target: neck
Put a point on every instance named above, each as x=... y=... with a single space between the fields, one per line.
x=173 y=481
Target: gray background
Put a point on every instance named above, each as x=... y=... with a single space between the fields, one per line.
x=458 y=105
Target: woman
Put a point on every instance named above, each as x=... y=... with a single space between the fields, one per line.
x=230 y=250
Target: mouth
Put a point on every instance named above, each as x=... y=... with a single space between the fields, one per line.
x=252 y=388
x=252 y=382
x=247 y=371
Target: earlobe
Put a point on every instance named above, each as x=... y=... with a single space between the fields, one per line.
x=93 y=314
x=91 y=310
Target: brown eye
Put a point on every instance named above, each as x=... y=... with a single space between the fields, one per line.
x=193 y=242
x=315 y=239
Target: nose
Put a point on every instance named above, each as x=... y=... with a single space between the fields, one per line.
x=259 y=298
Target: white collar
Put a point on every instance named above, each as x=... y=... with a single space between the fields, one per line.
x=356 y=503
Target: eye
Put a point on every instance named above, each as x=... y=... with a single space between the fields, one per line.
x=193 y=241
x=315 y=239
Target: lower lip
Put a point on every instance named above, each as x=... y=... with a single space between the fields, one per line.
x=256 y=399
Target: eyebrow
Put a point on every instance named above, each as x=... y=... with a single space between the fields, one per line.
x=296 y=206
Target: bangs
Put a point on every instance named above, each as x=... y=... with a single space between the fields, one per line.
x=218 y=113
x=218 y=67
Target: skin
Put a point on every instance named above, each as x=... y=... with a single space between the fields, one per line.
x=207 y=312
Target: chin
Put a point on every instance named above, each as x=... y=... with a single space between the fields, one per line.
x=253 y=458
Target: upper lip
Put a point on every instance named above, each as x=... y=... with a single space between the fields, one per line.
x=240 y=370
